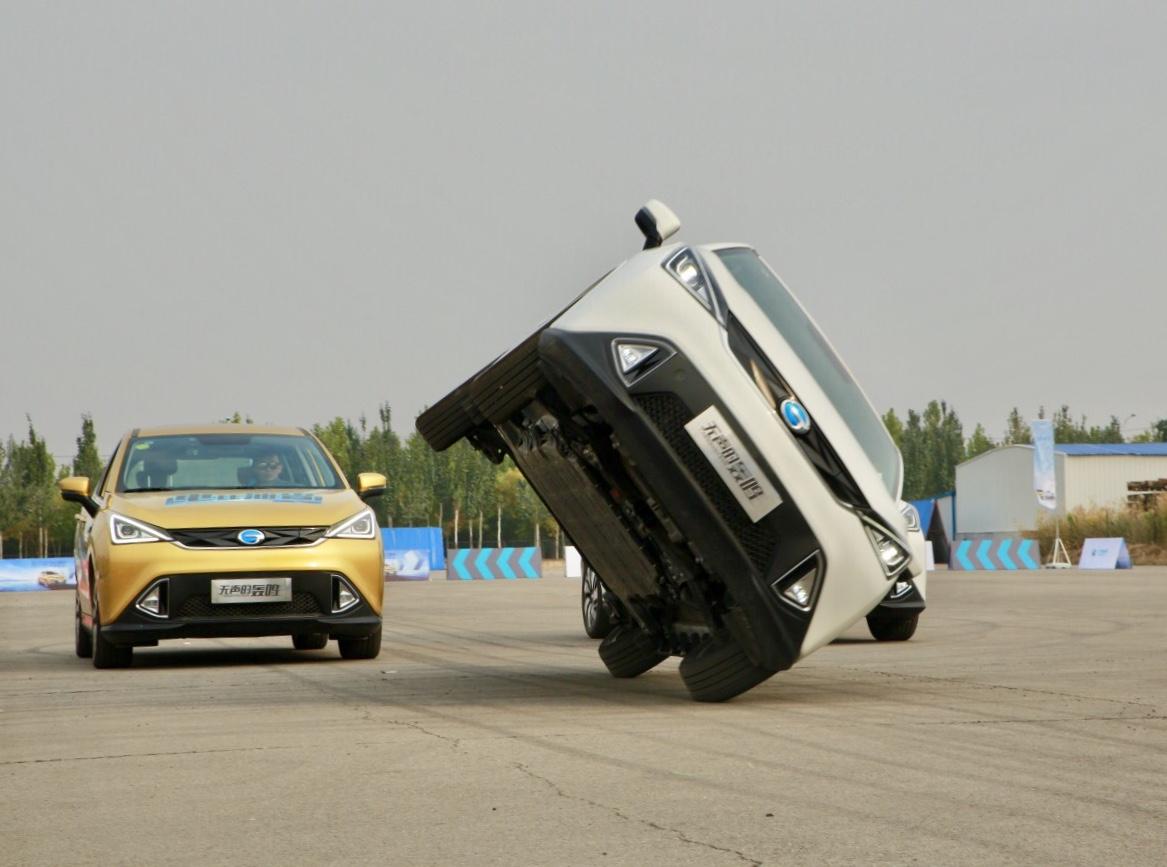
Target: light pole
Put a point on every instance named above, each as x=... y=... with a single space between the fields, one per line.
x=1124 y=424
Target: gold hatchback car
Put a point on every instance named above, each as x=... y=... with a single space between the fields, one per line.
x=225 y=531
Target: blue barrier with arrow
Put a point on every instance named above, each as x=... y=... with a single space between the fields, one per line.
x=994 y=552
x=489 y=564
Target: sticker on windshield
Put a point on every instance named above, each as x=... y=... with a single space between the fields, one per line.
x=252 y=496
x=734 y=464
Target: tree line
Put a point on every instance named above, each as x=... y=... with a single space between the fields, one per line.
x=475 y=502
x=933 y=442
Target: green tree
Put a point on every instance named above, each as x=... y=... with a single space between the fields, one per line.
x=343 y=441
x=895 y=427
x=978 y=443
x=1017 y=430
x=917 y=458
x=87 y=461
x=30 y=502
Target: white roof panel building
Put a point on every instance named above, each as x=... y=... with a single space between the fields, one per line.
x=995 y=491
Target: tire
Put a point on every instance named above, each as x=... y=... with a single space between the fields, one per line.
x=628 y=651
x=106 y=654
x=361 y=648
x=597 y=614
x=310 y=641
x=82 y=639
x=719 y=671
x=898 y=629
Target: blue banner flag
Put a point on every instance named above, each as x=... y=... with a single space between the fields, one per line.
x=1045 y=481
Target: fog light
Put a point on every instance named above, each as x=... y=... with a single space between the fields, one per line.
x=893 y=556
x=632 y=355
x=901 y=588
x=343 y=595
x=797 y=587
x=800 y=591
x=155 y=600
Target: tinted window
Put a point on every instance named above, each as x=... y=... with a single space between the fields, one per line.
x=225 y=461
x=808 y=342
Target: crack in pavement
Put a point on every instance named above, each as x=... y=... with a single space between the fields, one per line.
x=680 y=835
x=143 y=755
x=455 y=743
x=1058 y=719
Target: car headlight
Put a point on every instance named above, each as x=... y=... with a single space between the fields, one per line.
x=127 y=531
x=911 y=516
x=362 y=525
x=688 y=270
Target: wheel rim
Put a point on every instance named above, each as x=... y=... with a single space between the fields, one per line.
x=591 y=593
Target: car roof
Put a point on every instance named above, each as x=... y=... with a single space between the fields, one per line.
x=225 y=428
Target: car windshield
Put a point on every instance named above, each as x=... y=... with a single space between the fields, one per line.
x=824 y=365
x=225 y=461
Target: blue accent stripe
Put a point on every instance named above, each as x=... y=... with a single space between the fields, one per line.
x=460 y=564
x=983 y=552
x=481 y=563
x=504 y=566
x=1023 y=553
x=1003 y=554
x=525 y=563
x=962 y=554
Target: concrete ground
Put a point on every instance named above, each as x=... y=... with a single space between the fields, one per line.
x=1026 y=723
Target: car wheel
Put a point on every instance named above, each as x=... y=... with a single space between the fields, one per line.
x=310 y=641
x=719 y=670
x=898 y=629
x=82 y=640
x=105 y=653
x=361 y=648
x=628 y=651
x=597 y=615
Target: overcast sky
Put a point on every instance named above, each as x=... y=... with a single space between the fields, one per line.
x=300 y=211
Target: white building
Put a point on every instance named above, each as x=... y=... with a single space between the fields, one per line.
x=995 y=491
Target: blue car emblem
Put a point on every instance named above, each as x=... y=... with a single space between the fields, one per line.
x=250 y=537
x=795 y=416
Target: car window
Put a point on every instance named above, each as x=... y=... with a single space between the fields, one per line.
x=804 y=337
x=96 y=488
x=225 y=461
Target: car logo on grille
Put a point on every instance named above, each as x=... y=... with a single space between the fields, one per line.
x=251 y=537
x=795 y=416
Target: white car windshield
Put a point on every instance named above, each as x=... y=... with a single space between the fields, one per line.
x=808 y=342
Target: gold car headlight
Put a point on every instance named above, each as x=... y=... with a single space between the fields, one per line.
x=127 y=531
x=362 y=525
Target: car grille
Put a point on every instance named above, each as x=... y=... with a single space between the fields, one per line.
x=201 y=606
x=670 y=415
x=228 y=537
x=814 y=445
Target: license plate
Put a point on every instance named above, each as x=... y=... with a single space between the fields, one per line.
x=741 y=473
x=235 y=590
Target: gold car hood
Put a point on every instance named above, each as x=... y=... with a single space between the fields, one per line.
x=259 y=507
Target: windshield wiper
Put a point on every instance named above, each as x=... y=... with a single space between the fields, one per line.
x=145 y=490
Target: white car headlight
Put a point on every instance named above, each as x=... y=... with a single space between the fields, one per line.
x=127 y=531
x=362 y=525
x=688 y=270
x=911 y=515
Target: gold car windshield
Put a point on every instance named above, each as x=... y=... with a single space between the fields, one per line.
x=225 y=462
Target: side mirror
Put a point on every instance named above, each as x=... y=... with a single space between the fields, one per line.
x=657 y=222
x=370 y=485
x=75 y=489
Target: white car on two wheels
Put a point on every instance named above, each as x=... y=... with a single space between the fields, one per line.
x=709 y=454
